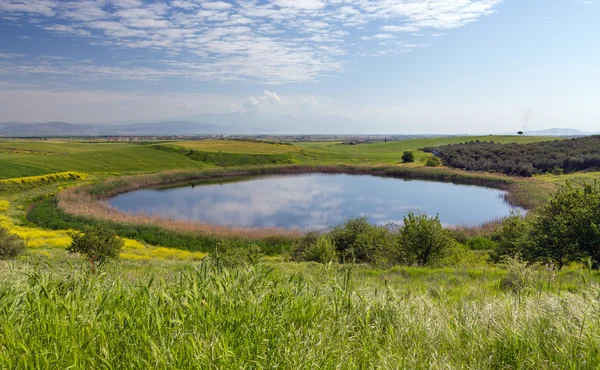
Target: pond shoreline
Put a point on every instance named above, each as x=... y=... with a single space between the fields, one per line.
x=89 y=201
x=316 y=201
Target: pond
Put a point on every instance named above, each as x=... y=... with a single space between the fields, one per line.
x=317 y=201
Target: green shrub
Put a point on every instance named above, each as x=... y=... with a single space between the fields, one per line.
x=96 y=244
x=228 y=254
x=359 y=241
x=321 y=250
x=433 y=162
x=10 y=245
x=459 y=235
x=481 y=243
x=567 y=229
x=513 y=238
x=303 y=244
x=424 y=240
x=408 y=157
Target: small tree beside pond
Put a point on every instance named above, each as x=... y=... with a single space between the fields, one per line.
x=408 y=157
x=97 y=244
x=424 y=239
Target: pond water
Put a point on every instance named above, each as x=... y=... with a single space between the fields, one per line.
x=317 y=201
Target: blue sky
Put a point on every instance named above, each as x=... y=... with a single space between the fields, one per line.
x=346 y=66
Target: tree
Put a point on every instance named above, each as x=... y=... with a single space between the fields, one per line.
x=359 y=241
x=520 y=132
x=97 y=244
x=567 y=228
x=408 y=157
x=424 y=239
x=513 y=239
x=321 y=250
x=10 y=245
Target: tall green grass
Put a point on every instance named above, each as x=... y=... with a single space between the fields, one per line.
x=209 y=317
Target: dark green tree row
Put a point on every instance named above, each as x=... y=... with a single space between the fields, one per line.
x=523 y=159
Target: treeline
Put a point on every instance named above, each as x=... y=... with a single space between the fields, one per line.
x=523 y=159
x=420 y=241
x=565 y=230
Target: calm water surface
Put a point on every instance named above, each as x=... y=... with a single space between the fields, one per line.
x=317 y=201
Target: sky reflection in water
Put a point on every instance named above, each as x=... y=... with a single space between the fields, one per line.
x=318 y=201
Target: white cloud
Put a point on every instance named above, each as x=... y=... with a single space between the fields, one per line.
x=217 y=5
x=300 y=4
x=61 y=28
x=41 y=7
x=399 y=28
x=10 y=56
x=272 y=41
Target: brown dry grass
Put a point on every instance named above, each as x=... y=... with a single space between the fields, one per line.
x=77 y=202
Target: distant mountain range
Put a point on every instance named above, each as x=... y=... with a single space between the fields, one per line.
x=230 y=126
x=560 y=132
x=16 y=129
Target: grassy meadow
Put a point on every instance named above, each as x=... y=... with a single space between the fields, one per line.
x=390 y=152
x=123 y=157
x=244 y=147
x=274 y=314
x=174 y=300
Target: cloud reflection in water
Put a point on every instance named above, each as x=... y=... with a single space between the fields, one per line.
x=317 y=201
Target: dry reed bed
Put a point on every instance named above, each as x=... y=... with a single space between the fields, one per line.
x=89 y=201
x=76 y=202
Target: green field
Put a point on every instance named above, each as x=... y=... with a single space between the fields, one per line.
x=230 y=146
x=177 y=299
x=390 y=152
x=99 y=158
x=120 y=157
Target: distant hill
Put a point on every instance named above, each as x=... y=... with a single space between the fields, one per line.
x=16 y=129
x=559 y=132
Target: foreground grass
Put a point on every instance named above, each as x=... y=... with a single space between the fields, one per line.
x=278 y=315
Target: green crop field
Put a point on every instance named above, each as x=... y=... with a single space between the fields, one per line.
x=233 y=146
x=99 y=158
x=62 y=146
x=180 y=296
x=61 y=156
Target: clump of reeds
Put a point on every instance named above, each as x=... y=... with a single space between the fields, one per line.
x=77 y=202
